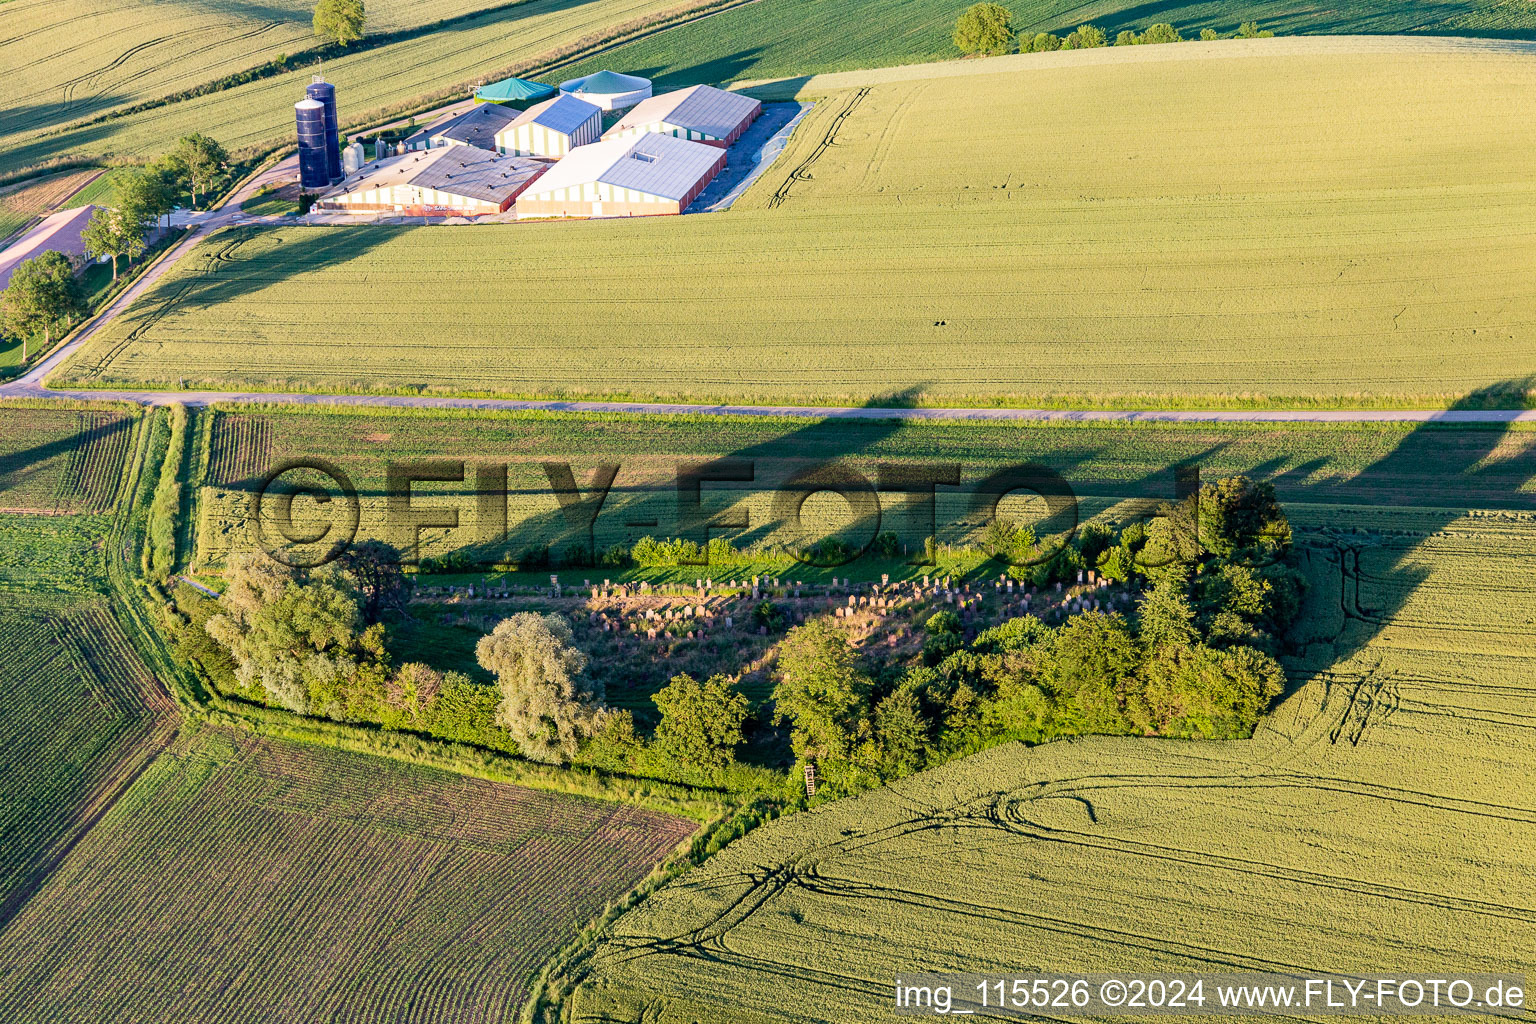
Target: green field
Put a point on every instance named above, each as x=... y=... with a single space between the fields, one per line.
x=1018 y=239
x=1385 y=811
x=1313 y=464
x=81 y=717
x=778 y=38
x=238 y=874
x=70 y=60
x=259 y=115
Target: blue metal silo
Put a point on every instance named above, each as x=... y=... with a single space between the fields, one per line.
x=314 y=174
x=325 y=93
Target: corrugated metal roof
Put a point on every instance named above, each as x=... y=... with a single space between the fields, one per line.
x=659 y=165
x=700 y=108
x=478 y=126
x=565 y=113
x=459 y=170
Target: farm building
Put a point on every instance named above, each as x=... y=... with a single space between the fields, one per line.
x=609 y=90
x=552 y=128
x=475 y=127
x=60 y=231
x=642 y=176
x=701 y=113
x=517 y=92
x=460 y=181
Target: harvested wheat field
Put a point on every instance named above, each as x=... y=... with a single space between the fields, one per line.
x=1139 y=233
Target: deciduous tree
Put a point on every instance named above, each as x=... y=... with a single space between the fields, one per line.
x=547 y=704
x=340 y=21
x=43 y=294
x=984 y=28
x=700 y=722
x=822 y=691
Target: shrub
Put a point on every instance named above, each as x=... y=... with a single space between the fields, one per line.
x=1208 y=34
x=1127 y=38
x=1162 y=32
x=1043 y=42
x=1085 y=37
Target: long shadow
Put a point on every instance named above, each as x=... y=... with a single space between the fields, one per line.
x=17 y=465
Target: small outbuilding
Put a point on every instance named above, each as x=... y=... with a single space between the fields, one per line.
x=609 y=90
x=517 y=92
x=454 y=181
x=700 y=113
x=552 y=128
x=475 y=127
x=647 y=175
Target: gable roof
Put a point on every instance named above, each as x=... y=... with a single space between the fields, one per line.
x=701 y=108
x=565 y=113
x=477 y=126
x=513 y=90
x=659 y=165
x=459 y=170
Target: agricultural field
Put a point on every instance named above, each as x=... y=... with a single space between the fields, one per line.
x=1220 y=261
x=25 y=202
x=347 y=888
x=57 y=460
x=778 y=38
x=81 y=717
x=259 y=115
x=71 y=61
x=1321 y=465
x=1384 y=812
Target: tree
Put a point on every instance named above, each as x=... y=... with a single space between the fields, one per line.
x=1090 y=664
x=1166 y=617
x=1085 y=37
x=1251 y=30
x=1043 y=42
x=340 y=21
x=1162 y=32
x=1198 y=691
x=298 y=640
x=145 y=195
x=1236 y=514
x=984 y=29
x=113 y=233
x=200 y=161
x=547 y=704
x=822 y=691
x=1127 y=38
x=700 y=722
x=44 y=293
x=901 y=733
x=1209 y=34
x=374 y=568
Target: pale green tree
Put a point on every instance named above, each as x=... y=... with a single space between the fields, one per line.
x=547 y=703
x=984 y=29
x=340 y=21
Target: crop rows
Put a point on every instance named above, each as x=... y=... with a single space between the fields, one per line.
x=242 y=449
x=82 y=716
x=1388 y=803
x=260 y=114
x=21 y=204
x=238 y=874
x=61 y=460
x=1252 y=252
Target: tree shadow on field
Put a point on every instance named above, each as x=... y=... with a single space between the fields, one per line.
x=1289 y=18
x=17 y=466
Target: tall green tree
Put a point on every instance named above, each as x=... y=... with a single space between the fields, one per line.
x=340 y=21
x=201 y=161
x=822 y=691
x=700 y=722
x=547 y=703
x=44 y=294
x=145 y=195
x=984 y=29
x=1166 y=616
x=113 y=233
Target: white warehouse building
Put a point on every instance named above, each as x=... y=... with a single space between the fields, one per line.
x=552 y=128
x=644 y=176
